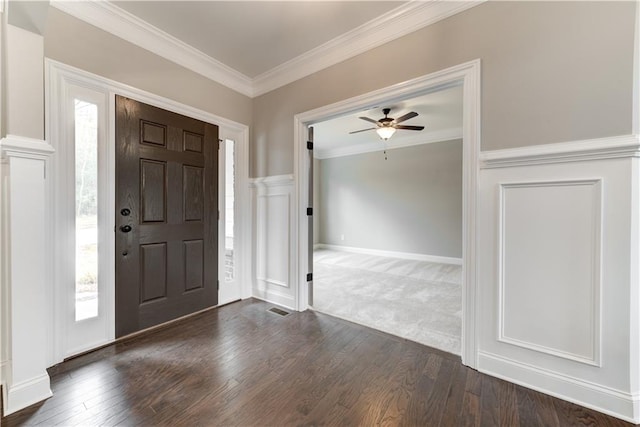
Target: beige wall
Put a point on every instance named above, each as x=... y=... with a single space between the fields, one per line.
x=23 y=102
x=74 y=42
x=551 y=72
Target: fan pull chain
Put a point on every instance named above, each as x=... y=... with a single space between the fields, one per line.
x=384 y=145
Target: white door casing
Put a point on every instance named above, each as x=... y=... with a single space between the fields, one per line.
x=468 y=75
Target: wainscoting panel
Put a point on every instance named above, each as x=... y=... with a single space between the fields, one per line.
x=550 y=246
x=273 y=225
x=558 y=247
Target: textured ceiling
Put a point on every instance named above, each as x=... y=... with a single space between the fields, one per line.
x=253 y=37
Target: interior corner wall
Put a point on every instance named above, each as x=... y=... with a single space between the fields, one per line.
x=551 y=72
x=411 y=202
x=76 y=43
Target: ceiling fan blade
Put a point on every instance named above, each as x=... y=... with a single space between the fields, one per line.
x=406 y=117
x=361 y=130
x=368 y=119
x=409 y=127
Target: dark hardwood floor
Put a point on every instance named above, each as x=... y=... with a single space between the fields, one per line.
x=242 y=365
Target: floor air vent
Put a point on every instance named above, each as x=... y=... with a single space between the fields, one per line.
x=278 y=311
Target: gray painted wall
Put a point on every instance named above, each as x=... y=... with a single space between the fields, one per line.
x=551 y=72
x=411 y=202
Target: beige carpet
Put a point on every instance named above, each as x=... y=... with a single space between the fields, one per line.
x=416 y=300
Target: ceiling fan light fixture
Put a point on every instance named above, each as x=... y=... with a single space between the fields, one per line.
x=385 y=132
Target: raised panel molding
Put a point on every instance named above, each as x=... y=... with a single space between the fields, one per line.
x=550 y=256
x=273 y=219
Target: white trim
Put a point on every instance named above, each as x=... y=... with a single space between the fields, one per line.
x=24 y=295
x=272 y=297
x=635 y=110
x=394 y=24
x=596 y=270
x=370 y=147
x=26 y=394
x=129 y=27
x=57 y=75
x=573 y=151
x=634 y=278
x=393 y=254
x=240 y=287
x=276 y=288
x=603 y=399
x=469 y=75
x=20 y=146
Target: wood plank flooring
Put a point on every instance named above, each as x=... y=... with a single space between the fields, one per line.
x=241 y=365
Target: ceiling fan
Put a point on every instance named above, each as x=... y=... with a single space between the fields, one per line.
x=387 y=126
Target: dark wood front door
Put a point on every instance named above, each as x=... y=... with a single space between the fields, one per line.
x=166 y=215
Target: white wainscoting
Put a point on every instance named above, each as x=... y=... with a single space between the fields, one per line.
x=274 y=213
x=558 y=246
x=25 y=277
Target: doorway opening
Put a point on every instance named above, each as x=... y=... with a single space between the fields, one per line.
x=466 y=75
x=387 y=224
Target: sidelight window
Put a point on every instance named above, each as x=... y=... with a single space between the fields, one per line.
x=229 y=267
x=86 y=209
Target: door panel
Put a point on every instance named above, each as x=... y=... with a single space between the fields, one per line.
x=166 y=246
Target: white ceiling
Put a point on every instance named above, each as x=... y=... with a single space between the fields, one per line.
x=254 y=37
x=440 y=112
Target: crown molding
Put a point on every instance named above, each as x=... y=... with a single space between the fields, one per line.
x=396 y=23
x=409 y=17
x=370 y=147
x=129 y=27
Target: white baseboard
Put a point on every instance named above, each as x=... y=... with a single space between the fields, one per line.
x=275 y=298
x=392 y=254
x=613 y=402
x=25 y=394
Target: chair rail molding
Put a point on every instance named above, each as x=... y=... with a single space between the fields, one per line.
x=591 y=149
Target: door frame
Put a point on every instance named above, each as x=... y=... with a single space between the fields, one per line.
x=466 y=74
x=59 y=78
